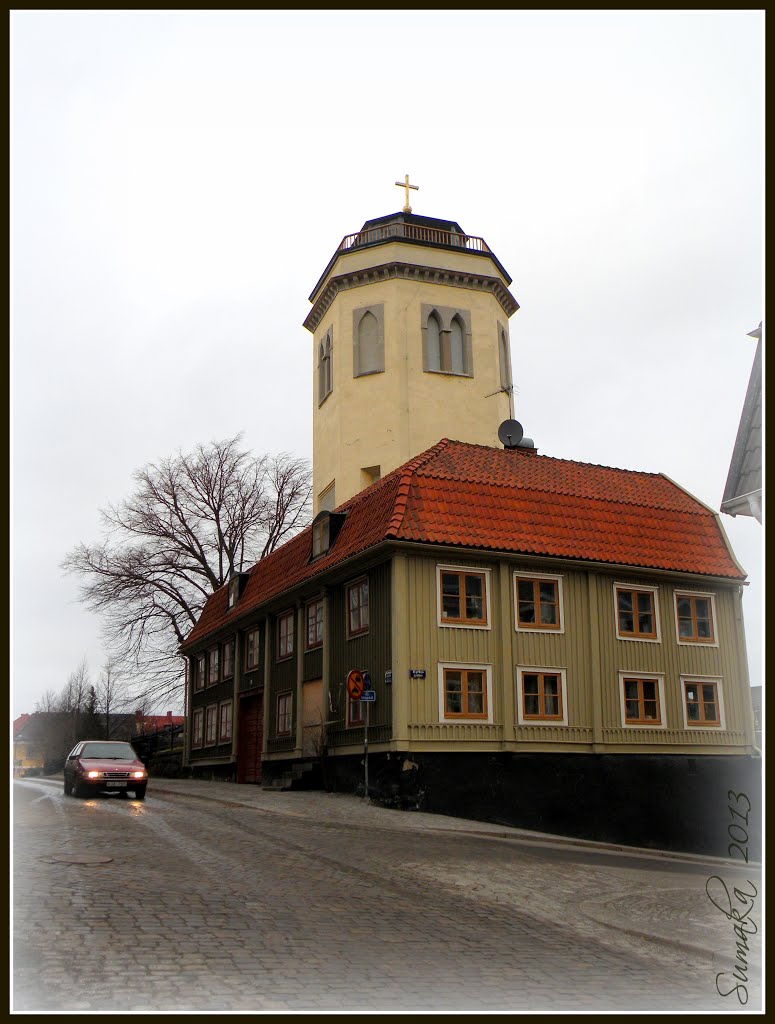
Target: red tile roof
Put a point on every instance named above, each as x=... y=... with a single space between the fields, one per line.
x=153 y=723
x=19 y=723
x=515 y=501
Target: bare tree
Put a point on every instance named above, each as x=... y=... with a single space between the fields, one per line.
x=192 y=520
x=47 y=703
x=112 y=697
x=74 y=698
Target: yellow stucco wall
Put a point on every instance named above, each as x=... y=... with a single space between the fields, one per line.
x=387 y=418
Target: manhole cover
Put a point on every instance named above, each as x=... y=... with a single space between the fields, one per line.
x=81 y=858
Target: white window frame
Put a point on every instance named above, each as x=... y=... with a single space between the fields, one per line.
x=561 y=672
x=217 y=652
x=487 y=597
x=222 y=660
x=691 y=677
x=468 y=667
x=322 y=623
x=290 y=637
x=200 y=672
x=198 y=713
x=206 y=742
x=359 y=582
x=696 y=593
x=223 y=704
x=520 y=574
x=285 y=694
x=625 y=585
x=659 y=678
x=252 y=666
x=351 y=722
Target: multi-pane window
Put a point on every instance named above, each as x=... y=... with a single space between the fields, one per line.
x=196 y=728
x=224 y=722
x=355 y=712
x=211 y=720
x=284 y=705
x=641 y=701
x=358 y=608
x=320 y=535
x=541 y=695
x=702 y=703
x=233 y=591
x=212 y=666
x=199 y=672
x=251 y=649
x=463 y=598
x=695 y=618
x=314 y=624
x=285 y=635
x=636 y=616
x=227 y=662
x=538 y=603
x=465 y=693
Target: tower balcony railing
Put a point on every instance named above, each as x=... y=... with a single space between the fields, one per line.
x=415 y=233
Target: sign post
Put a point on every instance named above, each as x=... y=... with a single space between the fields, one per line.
x=366 y=753
x=366 y=689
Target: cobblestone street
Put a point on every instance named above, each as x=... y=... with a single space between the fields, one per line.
x=314 y=901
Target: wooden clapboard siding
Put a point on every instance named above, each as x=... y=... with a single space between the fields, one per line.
x=370 y=652
x=587 y=649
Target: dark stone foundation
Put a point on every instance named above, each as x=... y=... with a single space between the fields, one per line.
x=662 y=801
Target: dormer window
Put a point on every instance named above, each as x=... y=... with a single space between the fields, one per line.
x=236 y=587
x=320 y=535
x=325 y=529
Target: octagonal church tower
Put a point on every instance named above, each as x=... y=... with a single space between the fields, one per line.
x=410 y=321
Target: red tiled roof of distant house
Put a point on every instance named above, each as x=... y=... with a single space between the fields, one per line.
x=514 y=501
x=19 y=724
x=151 y=723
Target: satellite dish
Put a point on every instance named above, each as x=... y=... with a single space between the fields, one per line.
x=510 y=433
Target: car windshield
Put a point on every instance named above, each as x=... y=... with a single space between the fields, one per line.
x=116 y=751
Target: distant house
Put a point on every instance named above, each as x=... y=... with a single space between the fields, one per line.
x=28 y=755
x=43 y=739
x=147 y=724
x=743 y=491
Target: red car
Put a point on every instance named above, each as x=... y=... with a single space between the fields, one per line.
x=96 y=765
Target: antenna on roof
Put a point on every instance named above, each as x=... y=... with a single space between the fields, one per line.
x=510 y=433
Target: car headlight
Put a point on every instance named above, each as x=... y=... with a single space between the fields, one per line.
x=138 y=775
x=93 y=775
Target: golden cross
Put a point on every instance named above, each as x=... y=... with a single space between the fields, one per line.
x=406 y=186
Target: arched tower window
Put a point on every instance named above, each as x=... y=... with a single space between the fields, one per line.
x=434 y=342
x=505 y=361
x=447 y=342
x=368 y=335
x=325 y=368
x=457 y=346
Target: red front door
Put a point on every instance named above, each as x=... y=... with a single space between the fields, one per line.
x=251 y=733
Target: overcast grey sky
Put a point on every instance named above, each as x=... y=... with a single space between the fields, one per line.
x=181 y=180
